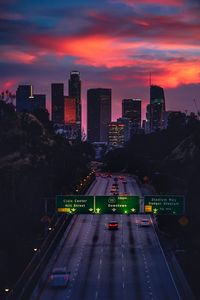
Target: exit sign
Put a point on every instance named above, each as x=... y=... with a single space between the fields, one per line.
x=164 y=205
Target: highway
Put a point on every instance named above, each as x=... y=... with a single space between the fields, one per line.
x=112 y=265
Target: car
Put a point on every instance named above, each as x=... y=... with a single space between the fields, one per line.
x=103 y=176
x=114 y=188
x=113 y=225
x=116 y=193
x=124 y=194
x=144 y=223
x=59 y=277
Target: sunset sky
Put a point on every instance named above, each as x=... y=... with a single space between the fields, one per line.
x=113 y=43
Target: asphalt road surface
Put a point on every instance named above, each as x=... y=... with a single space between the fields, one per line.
x=112 y=265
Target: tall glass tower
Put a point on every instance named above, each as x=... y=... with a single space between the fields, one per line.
x=57 y=102
x=75 y=92
x=98 y=114
x=157 y=107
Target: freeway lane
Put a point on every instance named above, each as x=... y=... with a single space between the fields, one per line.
x=112 y=265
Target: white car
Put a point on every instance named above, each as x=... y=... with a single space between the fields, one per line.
x=59 y=277
x=144 y=223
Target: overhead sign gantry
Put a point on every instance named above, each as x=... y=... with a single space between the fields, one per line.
x=158 y=204
x=98 y=204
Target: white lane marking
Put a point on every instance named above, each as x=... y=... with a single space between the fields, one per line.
x=148 y=280
x=165 y=260
x=80 y=258
x=100 y=262
x=122 y=252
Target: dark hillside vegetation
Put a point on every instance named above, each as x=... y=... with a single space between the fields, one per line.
x=35 y=165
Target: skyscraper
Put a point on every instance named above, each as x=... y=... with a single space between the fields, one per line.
x=57 y=103
x=38 y=101
x=69 y=110
x=131 y=108
x=23 y=94
x=27 y=101
x=98 y=114
x=74 y=87
x=75 y=92
x=71 y=130
x=157 y=107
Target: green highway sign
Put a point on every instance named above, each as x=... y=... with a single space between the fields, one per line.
x=98 y=204
x=164 y=205
x=117 y=204
x=75 y=204
x=160 y=205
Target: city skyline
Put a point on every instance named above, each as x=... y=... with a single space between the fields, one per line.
x=114 y=44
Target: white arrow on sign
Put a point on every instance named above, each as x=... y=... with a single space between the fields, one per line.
x=90 y=209
x=113 y=209
x=73 y=209
x=133 y=209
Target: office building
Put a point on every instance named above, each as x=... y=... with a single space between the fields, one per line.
x=166 y=116
x=74 y=91
x=69 y=110
x=23 y=96
x=98 y=114
x=116 y=134
x=127 y=129
x=157 y=108
x=38 y=101
x=131 y=108
x=57 y=103
x=71 y=130
x=26 y=101
x=119 y=132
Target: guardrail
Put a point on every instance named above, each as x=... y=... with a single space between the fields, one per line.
x=26 y=283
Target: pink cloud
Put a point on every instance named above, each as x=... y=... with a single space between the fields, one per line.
x=157 y=2
x=18 y=56
x=102 y=51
